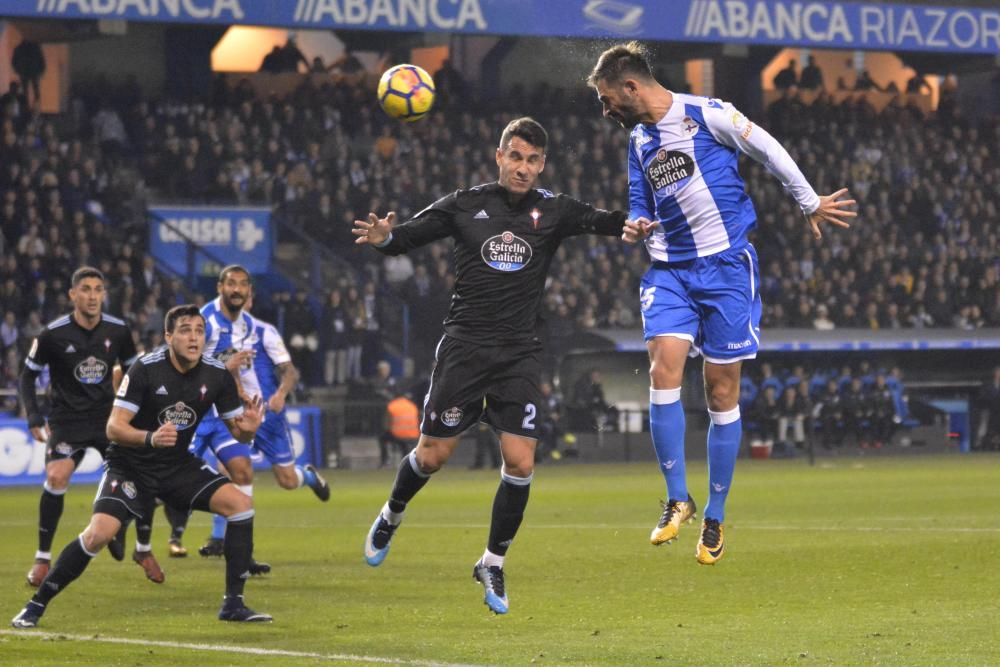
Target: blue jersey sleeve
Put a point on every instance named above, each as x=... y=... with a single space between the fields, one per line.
x=640 y=197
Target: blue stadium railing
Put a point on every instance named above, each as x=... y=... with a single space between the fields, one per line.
x=394 y=315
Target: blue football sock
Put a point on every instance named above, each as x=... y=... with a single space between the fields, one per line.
x=308 y=476
x=666 y=425
x=218 y=527
x=724 y=435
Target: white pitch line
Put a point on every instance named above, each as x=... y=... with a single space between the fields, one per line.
x=221 y=648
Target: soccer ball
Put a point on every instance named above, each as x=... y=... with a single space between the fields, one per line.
x=406 y=92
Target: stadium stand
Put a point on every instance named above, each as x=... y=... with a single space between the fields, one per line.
x=74 y=188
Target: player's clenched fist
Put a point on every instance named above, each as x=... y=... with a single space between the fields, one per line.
x=165 y=436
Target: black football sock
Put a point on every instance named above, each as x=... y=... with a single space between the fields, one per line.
x=50 y=509
x=144 y=526
x=508 y=512
x=238 y=550
x=71 y=563
x=178 y=521
x=409 y=480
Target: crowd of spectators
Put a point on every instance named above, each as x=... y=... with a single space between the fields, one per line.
x=796 y=408
x=920 y=254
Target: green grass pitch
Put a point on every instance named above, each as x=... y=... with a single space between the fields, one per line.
x=889 y=561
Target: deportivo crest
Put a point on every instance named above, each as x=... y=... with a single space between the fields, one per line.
x=451 y=417
x=90 y=371
x=128 y=488
x=669 y=171
x=689 y=126
x=179 y=414
x=506 y=252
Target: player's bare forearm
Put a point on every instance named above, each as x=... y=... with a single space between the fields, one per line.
x=121 y=432
x=289 y=375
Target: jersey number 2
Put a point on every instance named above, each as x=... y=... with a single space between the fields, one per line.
x=529 y=417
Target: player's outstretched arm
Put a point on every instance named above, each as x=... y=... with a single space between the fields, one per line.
x=376 y=231
x=244 y=426
x=832 y=211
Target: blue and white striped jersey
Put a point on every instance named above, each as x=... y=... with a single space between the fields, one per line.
x=683 y=172
x=269 y=351
x=223 y=339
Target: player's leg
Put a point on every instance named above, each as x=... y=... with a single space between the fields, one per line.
x=197 y=485
x=118 y=498
x=72 y=561
x=178 y=524
x=670 y=327
x=454 y=402
x=726 y=291
x=512 y=408
x=142 y=555
x=722 y=387
x=216 y=444
x=509 y=503
x=59 y=469
x=415 y=470
x=667 y=355
x=274 y=441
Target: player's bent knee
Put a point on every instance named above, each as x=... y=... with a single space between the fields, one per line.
x=287 y=479
x=99 y=532
x=58 y=474
x=240 y=471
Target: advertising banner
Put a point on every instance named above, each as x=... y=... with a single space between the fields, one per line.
x=22 y=459
x=847 y=25
x=222 y=235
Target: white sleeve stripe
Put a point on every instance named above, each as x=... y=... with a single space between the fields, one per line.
x=33 y=366
x=128 y=405
x=232 y=413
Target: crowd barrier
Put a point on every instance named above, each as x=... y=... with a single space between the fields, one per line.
x=22 y=458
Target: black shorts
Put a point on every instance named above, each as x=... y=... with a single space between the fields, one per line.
x=72 y=443
x=126 y=492
x=469 y=378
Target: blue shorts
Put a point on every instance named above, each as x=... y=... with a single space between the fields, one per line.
x=212 y=435
x=713 y=302
x=274 y=440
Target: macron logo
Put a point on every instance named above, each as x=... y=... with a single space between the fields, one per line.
x=70 y=349
x=162 y=391
x=669 y=465
x=482 y=215
x=719 y=488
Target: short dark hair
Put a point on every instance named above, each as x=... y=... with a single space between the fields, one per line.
x=621 y=62
x=83 y=273
x=232 y=268
x=526 y=128
x=177 y=312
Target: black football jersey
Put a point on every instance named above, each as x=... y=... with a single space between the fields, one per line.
x=80 y=365
x=158 y=393
x=502 y=254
